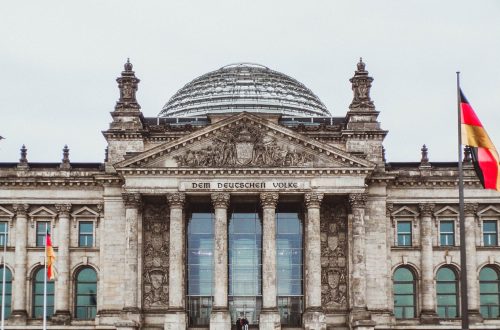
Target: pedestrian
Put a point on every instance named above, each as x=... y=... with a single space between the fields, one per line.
x=238 y=324
x=245 y=323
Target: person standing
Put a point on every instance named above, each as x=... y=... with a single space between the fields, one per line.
x=238 y=324
x=245 y=323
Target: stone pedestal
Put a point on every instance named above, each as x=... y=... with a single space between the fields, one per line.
x=126 y=325
x=314 y=320
x=62 y=314
x=220 y=318
x=19 y=313
x=175 y=320
x=269 y=319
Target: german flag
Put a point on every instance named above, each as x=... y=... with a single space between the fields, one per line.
x=484 y=154
x=51 y=257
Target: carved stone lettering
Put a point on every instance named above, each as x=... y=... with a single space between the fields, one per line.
x=244 y=145
x=156 y=256
x=334 y=260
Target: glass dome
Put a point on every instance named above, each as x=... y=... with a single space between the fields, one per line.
x=244 y=87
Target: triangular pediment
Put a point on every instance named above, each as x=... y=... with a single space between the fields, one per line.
x=405 y=211
x=245 y=141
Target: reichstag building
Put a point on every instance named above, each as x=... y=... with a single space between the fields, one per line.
x=246 y=198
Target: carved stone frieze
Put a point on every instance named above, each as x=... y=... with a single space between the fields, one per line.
x=220 y=200
x=426 y=209
x=63 y=209
x=357 y=200
x=156 y=256
x=269 y=199
x=244 y=145
x=470 y=209
x=334 y=260
x=313 y=199
x=21 y=209
x=132 y=200
x=176 y=199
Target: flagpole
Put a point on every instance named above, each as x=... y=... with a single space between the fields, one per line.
x=464 y=304
x=45 y=284
x=3 y=279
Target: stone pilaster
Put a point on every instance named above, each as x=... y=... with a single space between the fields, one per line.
x=313 y=318
x=62 y=314
x=359 y=312
x=269 y=316
x=19 y=311
x=470 y=210
x=220 y=318
x=132 y=203
x=176 y=317
x=428 y=314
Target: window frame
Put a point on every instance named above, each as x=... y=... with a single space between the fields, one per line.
x=404 y=213
x=484 y=233
x=497 y=282
x=43 y=214
x=92 y=234
x=453 y=233
x=6 y=216
x=75 y=291
x=399 y=221
x=34 y=282
x=4 y=235
x=456 y=293
x=86 y=214
x=7 y=282
x=415 y=293
x=47 y=226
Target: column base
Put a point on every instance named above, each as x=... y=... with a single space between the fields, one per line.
x=314 y=319
x=131 y=316
x=269 y=319
x=220 y=319
x=429 y=317
x=175 y=320
x=475 y=316
x=18 y=317
x=126 y=325
x=363 y=325
x=61 y=317
x=359 y=314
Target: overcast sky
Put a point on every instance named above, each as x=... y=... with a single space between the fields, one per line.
x=59 y=61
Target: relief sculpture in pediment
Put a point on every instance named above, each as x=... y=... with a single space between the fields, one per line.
x=244 y=145
x=156 y=256
x=334 y=259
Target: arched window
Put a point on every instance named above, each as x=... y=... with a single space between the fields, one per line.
x=489 y=288
x=86 y=294
x=404 y=293
x=38 y=283
x=8 y=290
x=447 y=293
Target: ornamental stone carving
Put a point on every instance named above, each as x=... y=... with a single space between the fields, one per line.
x=156 y=256
x=361 y=85
x=63 y=209
x=313 y=199
x=269 y=199
x=131 y=200
x=176 y=200
x=470 y=209
x=426 y=209
x=244 y=145
x=21 y=209
x=220 y=200
x=334 y=261
x=357 y=200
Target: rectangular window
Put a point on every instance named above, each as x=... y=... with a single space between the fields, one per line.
x=41 y=230
x=404 y=233
x=490 y=233
x=447 y=233
x=85 y=234
x=4 y=233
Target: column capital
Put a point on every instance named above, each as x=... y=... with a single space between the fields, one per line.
x=389 y=207
x=63 y=209
x=357 y=200
x=470 y=209
x=220 y=200
x=426 y=209
x=21 y=209
x=313 y=199
x=176 y=200
x=269 y=199
x=132 y=200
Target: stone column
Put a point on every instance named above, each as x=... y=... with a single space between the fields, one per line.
x=176 y=317
x=470 y=210
x=62 y=314
x=313 y=317
x=220 y=319
x=428 y=314
x=269 y=316
x=359 y=312
x=132 y=204
x=19 y=313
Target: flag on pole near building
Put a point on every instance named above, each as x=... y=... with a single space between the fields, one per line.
x=484 y=154
x=51 y=258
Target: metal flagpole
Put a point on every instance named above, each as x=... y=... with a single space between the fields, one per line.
x=463 y=257
x=3 y=278
x=45 y=284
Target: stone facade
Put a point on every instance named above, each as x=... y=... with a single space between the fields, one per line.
x=126 y=220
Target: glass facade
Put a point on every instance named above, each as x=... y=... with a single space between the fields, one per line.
x=489 y=288
x=245 y=262
x=447 y=293
x=86 y=294
x=490 y=233
x=404 y=293
x=200 y=265
x=38 y=294
x=8 y=290
x=447 y=233
x=289 y=264
x=404 y=233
